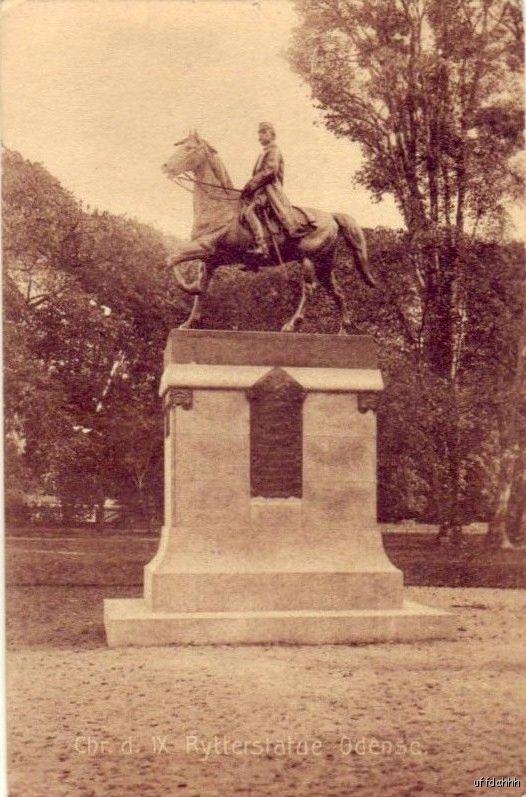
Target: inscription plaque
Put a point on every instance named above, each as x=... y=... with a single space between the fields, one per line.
x=276 y=436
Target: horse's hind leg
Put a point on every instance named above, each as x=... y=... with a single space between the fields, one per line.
x=308 y=283
x=345 y=316
x=329 y=281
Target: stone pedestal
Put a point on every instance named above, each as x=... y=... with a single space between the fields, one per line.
x=270 y=528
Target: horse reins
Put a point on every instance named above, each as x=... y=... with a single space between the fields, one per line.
x=189 y=179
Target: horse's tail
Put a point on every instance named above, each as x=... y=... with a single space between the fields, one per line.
x=355 y=240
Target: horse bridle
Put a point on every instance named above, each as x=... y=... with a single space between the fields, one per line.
x=187 y=177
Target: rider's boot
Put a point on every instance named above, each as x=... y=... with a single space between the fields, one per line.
x=299 y=231
x=260 y=245
x=260 y=248
x=256 y=228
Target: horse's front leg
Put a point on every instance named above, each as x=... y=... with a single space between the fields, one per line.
x=308 y=283
x=328 y=281
x=193 y=250
x=202 y=286
x=194 y=288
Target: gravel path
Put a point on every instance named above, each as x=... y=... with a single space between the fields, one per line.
x=384 y=720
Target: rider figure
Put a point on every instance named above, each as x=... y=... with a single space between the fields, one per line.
x=265 y=189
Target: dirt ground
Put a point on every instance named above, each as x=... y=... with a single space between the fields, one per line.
x=379 y=720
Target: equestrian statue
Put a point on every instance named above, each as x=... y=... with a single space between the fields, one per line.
x=257 y=226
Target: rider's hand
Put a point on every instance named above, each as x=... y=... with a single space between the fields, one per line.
x=246 y=193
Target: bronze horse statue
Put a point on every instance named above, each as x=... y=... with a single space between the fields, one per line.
x=219 y=238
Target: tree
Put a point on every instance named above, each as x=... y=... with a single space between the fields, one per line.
x=87 y=307
x=39 y=220
x=431 y=89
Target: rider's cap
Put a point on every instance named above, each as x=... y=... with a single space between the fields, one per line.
x=266 y=126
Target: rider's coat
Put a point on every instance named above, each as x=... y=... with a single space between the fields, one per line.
x=267 y=184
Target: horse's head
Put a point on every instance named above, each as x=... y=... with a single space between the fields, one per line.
x=194 y=154
x=187 y=156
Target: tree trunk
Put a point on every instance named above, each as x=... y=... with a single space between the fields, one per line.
x=66 y=511
x=508 y=518
x=516 y=519
x=454 y=468
x=444 y=345
x=99 y=514
x=450 y=528
x=497 y=536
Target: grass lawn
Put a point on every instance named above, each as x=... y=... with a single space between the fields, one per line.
x=118 y=559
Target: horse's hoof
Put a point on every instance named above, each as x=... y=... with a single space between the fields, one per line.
x=290 y=326
x=346 y=327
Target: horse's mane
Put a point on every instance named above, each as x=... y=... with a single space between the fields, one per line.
x=217 y=166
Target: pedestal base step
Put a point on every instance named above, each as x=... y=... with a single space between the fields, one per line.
x=131 y=622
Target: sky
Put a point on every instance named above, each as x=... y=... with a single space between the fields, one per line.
x=98 y=91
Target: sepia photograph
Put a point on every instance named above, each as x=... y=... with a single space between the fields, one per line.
x=264 y=389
